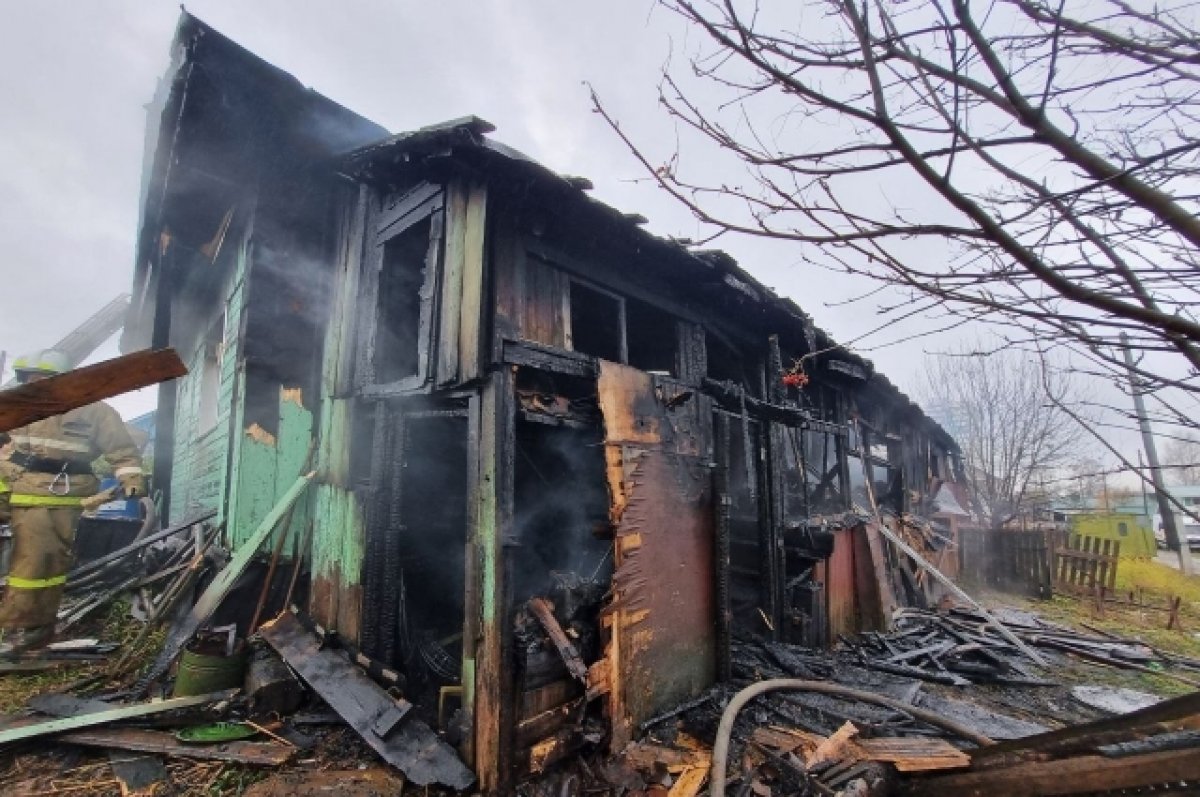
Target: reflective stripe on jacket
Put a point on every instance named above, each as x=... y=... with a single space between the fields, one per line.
x=78 y=436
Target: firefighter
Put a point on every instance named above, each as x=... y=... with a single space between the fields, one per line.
x=45 y=473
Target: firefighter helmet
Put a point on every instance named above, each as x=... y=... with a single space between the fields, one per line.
x=46 y=362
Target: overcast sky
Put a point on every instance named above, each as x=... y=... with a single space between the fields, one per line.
x=75 y=77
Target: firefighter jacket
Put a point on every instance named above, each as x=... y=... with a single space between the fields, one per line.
x=48 y=463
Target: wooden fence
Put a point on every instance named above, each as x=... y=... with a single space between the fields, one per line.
x=1010 y=561
x=1086 y=565
x=1038 y=563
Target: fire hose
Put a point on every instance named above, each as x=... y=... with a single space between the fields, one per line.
x=720 y=754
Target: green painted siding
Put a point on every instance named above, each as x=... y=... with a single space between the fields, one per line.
x=339 y=524
x=201 y=455
x=265 y=466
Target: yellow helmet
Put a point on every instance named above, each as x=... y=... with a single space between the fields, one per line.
x=47 y=362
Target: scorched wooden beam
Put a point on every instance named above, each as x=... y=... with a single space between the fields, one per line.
x=55 y=395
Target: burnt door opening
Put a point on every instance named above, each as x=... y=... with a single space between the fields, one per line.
x=564 y=555
x=426 y=530
x=751 y=550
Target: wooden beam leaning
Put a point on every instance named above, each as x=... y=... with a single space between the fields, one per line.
x=220 y=586
x=543 y=611
x=55 y=395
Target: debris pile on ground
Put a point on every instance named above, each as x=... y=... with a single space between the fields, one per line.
x=829 y=722
x=961 y=646
x=233 y=700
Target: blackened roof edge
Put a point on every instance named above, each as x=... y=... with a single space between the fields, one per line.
x=471 y=132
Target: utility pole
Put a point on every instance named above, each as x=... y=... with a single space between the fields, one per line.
x=1164 y=505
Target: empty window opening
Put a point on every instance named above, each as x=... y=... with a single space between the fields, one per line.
x=402 y=277
x=652 y=337
x=727 y=365
x=597 y=323
x=824 y=482
x=431 y=537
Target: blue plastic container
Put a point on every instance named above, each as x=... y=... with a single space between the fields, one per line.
x=118 y=508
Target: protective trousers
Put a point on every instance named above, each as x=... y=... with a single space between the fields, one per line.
x=43 y=545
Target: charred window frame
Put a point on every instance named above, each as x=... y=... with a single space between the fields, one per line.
x=878 y=456
x=401 y=277
x=596 y=322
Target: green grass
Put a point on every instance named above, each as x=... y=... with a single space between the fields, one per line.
x=1158 y=580
x=115 y=625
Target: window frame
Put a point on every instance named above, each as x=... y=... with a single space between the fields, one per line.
x=425 y=202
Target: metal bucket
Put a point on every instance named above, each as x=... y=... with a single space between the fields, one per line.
x=203 y=672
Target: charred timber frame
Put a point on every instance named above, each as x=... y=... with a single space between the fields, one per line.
x=492 y=540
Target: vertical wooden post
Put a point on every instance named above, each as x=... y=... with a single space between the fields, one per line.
x=492 y=535
x=721 y=553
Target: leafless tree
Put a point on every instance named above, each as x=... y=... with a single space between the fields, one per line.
x=1181 y=460
x=1014 y=438
x=1030 y=164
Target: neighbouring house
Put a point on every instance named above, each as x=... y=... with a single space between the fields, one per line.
x=1124 y=528
x=511 y=391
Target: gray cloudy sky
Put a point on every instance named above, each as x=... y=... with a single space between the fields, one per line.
x=75 y=77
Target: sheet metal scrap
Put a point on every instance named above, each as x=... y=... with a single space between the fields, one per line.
x=403 y=741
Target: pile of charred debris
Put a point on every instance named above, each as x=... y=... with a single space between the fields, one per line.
x=950 y=701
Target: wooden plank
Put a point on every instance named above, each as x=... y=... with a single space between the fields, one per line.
x=208 y=602
x=1069 y=739
x=413 y=747
x=471 y=309
x=54 y=726
x=137 y=774
x=543 y=611
x=915 y=754
x=647 y=756
x=452 y=285
x=1080 y=775
x=689 y=783
x=146 y=741
x=493 y=530
x=55 y=395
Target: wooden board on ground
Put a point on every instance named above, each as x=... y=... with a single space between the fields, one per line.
x=645 y=757
x=689 y=783
x=55 y=395
x=56 y=726
x=1080 y=775
x=271 y=754
x=412 y=747
x=907 y=754
x=915 y=754
x=370 y=782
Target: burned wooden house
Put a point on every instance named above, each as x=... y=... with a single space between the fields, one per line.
x=527 y=413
